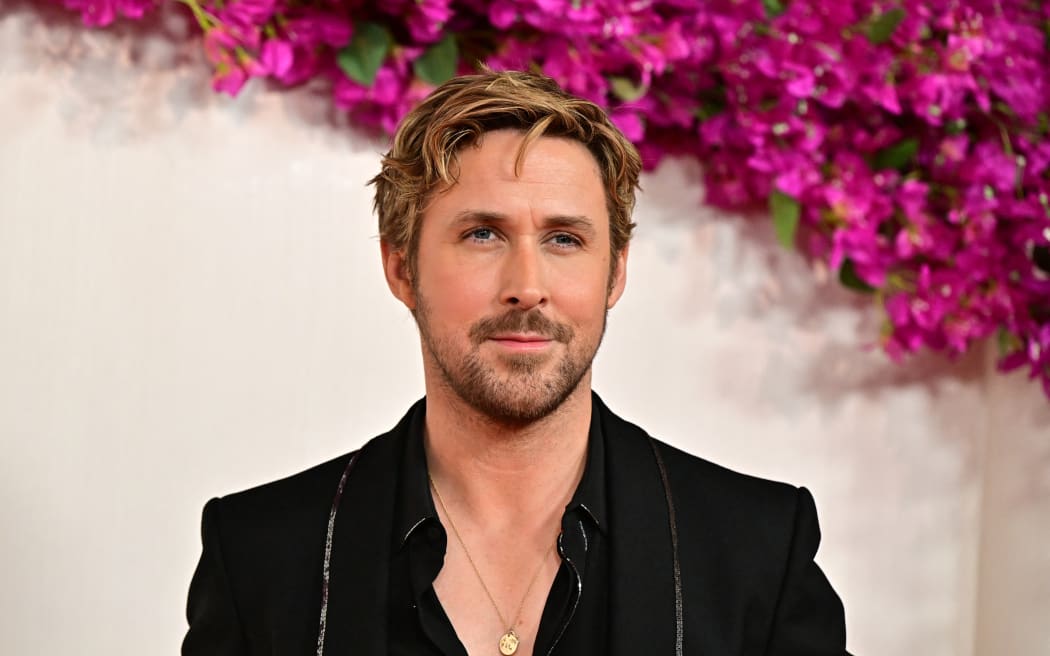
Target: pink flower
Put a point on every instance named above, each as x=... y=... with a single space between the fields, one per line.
x=630 y=123
x=310 y=28
x=229 y=81
x=426 y=19
x=990 y=167
x=249 y=12
x=276 y=58
x=100 y=13
x=503 y=13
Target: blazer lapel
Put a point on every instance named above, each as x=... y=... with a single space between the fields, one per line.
x=641 y=576
x=360 y=557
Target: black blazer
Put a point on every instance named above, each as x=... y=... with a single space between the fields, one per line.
x=712 y=563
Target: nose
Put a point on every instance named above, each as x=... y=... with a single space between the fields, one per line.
x=523 y=284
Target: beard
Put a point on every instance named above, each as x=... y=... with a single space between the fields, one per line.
x=527 y=389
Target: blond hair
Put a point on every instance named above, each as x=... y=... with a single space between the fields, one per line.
x=459 y=112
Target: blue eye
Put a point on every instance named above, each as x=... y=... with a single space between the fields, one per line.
x=565 y=240
x=481 y=234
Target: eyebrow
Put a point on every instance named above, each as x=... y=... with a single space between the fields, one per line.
x=578 y=223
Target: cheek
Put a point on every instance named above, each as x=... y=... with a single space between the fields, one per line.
x=457 y=294
x=581 y=294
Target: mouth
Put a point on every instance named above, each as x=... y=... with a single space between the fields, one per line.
x=522 y=342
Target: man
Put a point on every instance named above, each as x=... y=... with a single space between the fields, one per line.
x=510 y=512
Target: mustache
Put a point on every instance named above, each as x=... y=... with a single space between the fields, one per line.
x=516 y=321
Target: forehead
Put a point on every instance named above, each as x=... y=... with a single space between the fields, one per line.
x=506 y=153
x=547 y=174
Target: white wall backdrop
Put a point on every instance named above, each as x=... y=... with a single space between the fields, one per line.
x=191 y=303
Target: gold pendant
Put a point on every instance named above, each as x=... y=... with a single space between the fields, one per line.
x=508 y=644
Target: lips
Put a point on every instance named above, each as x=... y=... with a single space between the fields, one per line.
x=519 y=337
x=521 y=342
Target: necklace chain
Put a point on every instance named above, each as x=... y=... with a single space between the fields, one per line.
x=459 y=538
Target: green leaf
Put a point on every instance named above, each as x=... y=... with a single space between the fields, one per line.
x=773 y=7
x=625 y=89
x=1005 y=342
x=897 y=156
x=707 y=110
x=881 y=27
x=711 y=103
x=363 y=56
x=850 y=280
x=439 y=62
x=786 y=212
x=1041 y=257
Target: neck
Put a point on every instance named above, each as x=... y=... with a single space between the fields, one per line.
x=501 y=473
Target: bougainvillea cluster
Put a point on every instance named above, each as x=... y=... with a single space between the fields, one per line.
x=906 y=144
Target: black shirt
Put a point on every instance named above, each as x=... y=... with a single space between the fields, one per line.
x=574 y=617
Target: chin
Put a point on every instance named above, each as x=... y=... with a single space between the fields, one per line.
x=519 y=399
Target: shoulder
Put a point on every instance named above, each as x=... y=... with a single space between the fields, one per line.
x=735 y=504
x=271 y=538
x=304 y=497
x=261 y=551
x=756 y=520
x=307 y=496
x=756 y=538
x=746 y=544
x=701 y=481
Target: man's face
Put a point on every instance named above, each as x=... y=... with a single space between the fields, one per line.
x=512 y=277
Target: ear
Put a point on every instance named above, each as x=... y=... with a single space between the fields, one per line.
x=397 y=275
x=619 y=278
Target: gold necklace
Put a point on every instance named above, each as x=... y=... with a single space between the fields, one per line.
x=508 y=642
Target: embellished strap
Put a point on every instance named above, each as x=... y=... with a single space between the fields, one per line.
x=679 y=613
x=328 y=552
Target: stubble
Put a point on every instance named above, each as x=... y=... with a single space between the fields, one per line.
x=526 y=389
